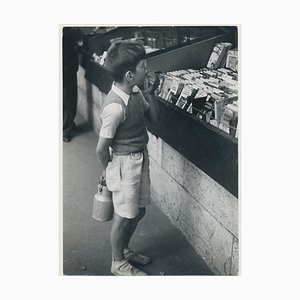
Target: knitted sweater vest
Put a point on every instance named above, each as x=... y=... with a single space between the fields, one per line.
x=131 y=135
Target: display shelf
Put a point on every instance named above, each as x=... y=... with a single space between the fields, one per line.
x=162 y=38
x=213 y=151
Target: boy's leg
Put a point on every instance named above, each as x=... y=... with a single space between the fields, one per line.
x=144 y=200
x=132 y=226
x=120 y=266
x=118 y=233
x=130 y=255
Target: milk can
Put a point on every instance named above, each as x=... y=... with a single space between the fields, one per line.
x=103 y=209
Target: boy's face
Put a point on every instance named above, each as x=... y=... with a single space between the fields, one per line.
x=140 y=72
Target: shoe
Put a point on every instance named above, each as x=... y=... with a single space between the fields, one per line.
x=133 y=257
x=124 y=268
x=66 y=139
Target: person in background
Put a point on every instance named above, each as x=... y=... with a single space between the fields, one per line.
x=71 y=36
x=124 y=132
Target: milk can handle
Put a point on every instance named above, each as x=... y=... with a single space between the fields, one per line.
x=102 y=180
x=101 y=183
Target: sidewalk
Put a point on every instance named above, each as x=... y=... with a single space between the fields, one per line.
x=86 y=245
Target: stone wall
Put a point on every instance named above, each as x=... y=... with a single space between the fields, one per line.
x=205 y=212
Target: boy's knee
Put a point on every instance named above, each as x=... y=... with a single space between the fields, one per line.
x=121 y=222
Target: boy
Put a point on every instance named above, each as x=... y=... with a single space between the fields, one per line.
x=124 y=132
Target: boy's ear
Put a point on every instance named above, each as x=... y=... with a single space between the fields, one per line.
x=129 y=76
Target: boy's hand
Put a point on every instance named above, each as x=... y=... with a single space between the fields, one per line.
x=151 y=82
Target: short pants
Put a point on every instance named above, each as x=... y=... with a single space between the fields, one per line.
x=127 y=177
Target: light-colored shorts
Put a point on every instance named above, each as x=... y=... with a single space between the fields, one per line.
x=127 y=176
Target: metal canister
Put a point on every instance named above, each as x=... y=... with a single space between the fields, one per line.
x=103 y=209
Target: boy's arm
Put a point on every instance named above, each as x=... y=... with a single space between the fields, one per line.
x=112 y=117
x=102 y=152
x=152 y=82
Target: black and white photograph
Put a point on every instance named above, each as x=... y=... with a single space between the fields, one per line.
x=154 y=139
x=150 y=137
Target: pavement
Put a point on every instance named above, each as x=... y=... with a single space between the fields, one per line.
x=86 y=246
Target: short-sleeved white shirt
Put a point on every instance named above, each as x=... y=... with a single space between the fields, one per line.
x=113 y=115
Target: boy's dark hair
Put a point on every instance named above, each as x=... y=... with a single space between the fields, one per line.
x=123 y=56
